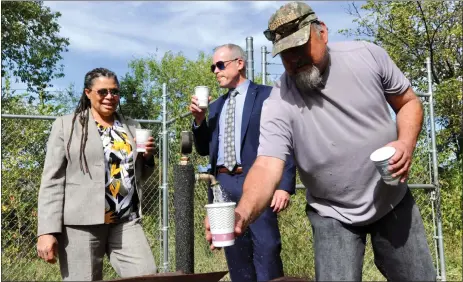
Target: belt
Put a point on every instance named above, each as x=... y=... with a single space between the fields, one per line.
x=237 y=170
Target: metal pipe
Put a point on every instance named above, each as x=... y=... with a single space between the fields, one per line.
x=206 y=177
x=13 y=116
x=160 y=198
x=428 y=141
x=250 y=59
x=264 y=64
x=435 y=171
x=28 y=117
x=149 y=121
x=419 y=94
x=183 y=115
x=412 y=186
x=165 y=196
x=434 y=232
x=422 y=186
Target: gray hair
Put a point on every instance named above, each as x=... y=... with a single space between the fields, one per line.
x=236 y=51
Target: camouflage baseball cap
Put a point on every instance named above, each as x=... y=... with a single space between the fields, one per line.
x=290 y=26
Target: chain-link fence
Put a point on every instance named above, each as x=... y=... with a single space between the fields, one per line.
x=23 y=152
x=296 y=232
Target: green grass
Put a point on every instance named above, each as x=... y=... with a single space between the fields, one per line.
x=20 y=263
x=453 y=257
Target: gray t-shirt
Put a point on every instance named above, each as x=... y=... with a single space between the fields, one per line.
x=333 y=131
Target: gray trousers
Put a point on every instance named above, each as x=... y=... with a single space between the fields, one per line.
x=82 y=249
x=398 y=239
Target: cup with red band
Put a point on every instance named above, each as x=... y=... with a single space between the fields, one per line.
x=222 y=221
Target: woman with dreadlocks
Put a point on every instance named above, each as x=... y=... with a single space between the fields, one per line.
x=90 y=193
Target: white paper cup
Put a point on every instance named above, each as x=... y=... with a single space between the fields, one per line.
x=142 y=136
x=202 y=94
x=381 y=159
x=222 y=221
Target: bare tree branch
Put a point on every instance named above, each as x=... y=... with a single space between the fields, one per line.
x=430 y=43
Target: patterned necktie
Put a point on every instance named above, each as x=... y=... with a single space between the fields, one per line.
x=229 y=138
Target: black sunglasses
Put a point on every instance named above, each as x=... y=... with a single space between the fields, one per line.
x=287 y=29
x=104 y=91
x=221 y=65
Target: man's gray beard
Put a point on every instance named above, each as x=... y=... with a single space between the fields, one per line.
x=308 y=80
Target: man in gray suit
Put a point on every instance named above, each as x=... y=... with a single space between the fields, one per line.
x=90 y=196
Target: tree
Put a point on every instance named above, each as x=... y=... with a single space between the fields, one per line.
x=141 y=97
x=141 y=89
x=31 y=45
x=411 y=31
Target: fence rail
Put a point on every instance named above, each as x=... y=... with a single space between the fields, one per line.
x=23 y=150
x=23 y=140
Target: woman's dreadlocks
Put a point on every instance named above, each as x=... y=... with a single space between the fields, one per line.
x=82 y=111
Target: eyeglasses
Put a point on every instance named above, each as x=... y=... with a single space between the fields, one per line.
x=287 y=29
x=103 y=92
x=221 y=65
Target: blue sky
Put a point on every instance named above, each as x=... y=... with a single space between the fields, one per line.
x=111 y=33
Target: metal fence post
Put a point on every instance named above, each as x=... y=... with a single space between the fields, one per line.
x=165 y=196
x=250 y=59
x=435 y=171
x=264 y=64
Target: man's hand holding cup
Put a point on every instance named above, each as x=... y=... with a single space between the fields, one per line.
x=199 y=103
x=241 y=222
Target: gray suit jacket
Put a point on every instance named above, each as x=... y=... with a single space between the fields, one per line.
x=67 y=196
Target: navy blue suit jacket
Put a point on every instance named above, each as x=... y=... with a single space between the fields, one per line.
x=206 y=136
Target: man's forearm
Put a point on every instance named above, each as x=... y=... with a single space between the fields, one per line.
x=260 y=184
x=409 y=122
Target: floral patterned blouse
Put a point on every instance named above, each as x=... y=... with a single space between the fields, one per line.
x=121 y=195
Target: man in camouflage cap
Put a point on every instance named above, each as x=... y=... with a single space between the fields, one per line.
x=330 y=109
x=296 y=31
x=295 y=14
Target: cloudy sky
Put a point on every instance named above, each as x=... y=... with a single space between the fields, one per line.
x=111 y=33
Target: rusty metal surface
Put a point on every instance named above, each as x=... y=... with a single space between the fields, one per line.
x=289 y=279
x=177 y=277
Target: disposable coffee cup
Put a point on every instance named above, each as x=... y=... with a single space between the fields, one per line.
x=142 y=136
x=222 y=221
x=381 y=159
x=202 y=94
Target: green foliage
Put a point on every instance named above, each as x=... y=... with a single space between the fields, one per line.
x=23 y=153
x=451 y=181
x=411 y=31
x=141 y=90
x=389 y=24
x=31 y=45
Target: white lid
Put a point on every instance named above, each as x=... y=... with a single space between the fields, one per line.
x=382 y=154
x=220 y=205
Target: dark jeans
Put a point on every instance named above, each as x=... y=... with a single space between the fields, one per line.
x=398 y=239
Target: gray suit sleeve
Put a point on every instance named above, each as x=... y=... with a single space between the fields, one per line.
x=275 y=131
x=51 y=193
x=393 y=80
